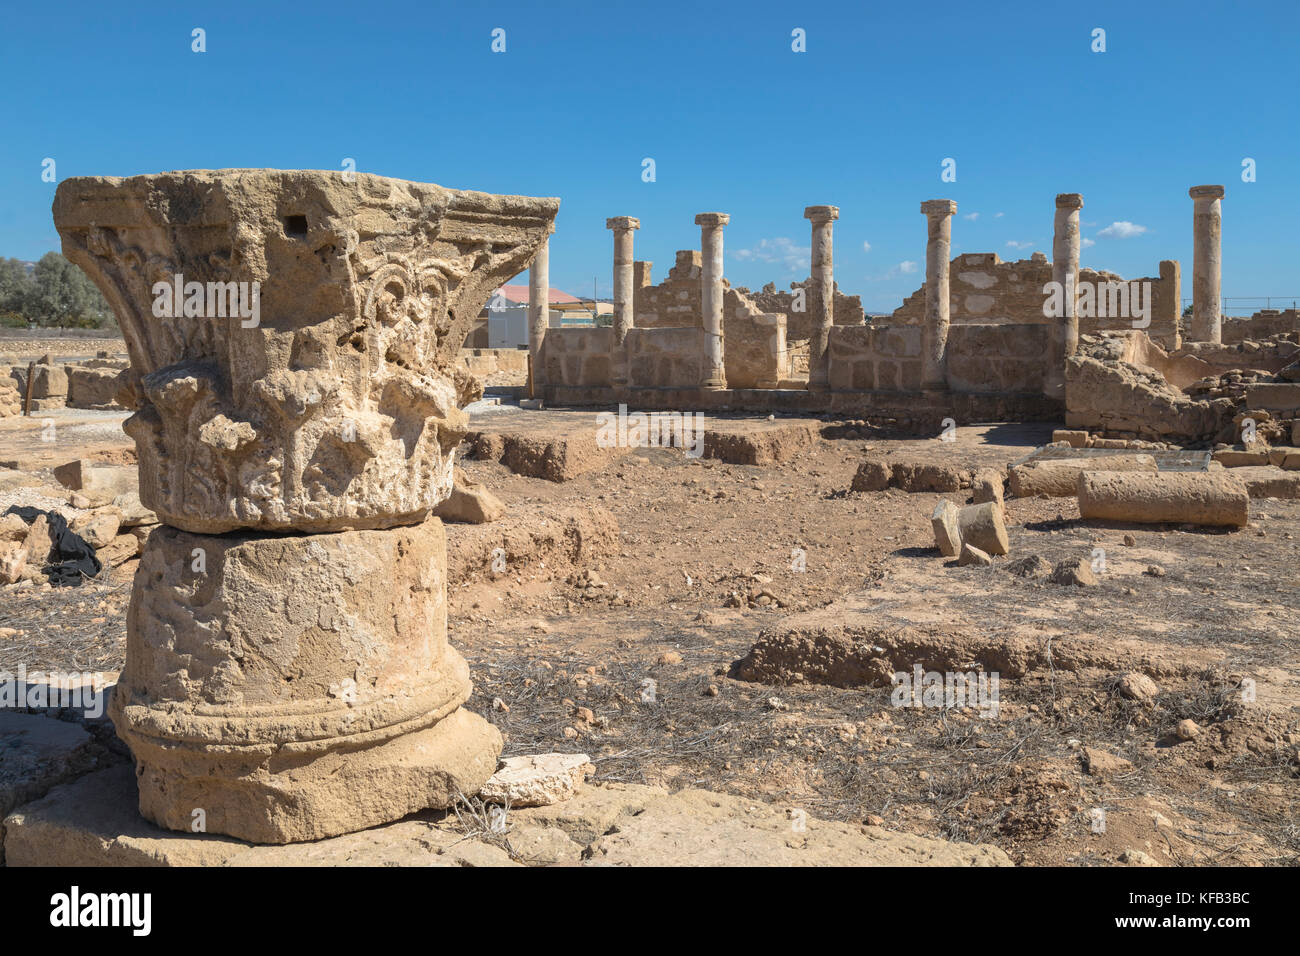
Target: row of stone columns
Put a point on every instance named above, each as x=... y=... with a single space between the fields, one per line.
x=1063 y=339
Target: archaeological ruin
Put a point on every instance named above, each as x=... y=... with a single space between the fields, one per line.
x=327 y=473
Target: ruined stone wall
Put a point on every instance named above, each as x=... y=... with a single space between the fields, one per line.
x=675 y=302
x=798 y=326
x=754 y=343
x=981 y=358
x=997 y=358
x=492 y=361
x=93 y=387
x=578 y=357
x=664 y=358
x=1261 y=325
x=1106 y=391
x=987 y=291
x=867 y=357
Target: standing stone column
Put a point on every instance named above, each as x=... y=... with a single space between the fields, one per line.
x=821 y=295
x=287 y=673
x=711 y=223
x=1063 y=331
x=623 y=227
x=539 y=310
x=1207 y=262
x=934 y=335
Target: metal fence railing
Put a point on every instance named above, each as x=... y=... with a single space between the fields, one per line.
x=1238 y=306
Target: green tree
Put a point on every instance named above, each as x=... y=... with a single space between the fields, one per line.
x=15 y=291
x=62 y=296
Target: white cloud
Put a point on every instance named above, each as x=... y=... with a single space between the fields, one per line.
x=998 y=215
x=866 y=246
x=1089 y=242
x=905 y=268
x=972 y=216
x=1012 y=244
x=1122 y=230
x=780 y=250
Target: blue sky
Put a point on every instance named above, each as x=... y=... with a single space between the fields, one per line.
x=733 y=118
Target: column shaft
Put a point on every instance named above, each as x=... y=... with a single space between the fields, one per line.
x=623 y=227
x=711 y=223
x=1207 y=231
x=539 y=310
x=934 y=335
x=1063 y=330
x=821 y=295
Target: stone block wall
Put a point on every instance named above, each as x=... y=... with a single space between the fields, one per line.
x=664 y=358
x=675 y=302
x=798 y=326
x=997 y=358
x=92 y=387
x=578 y=357
x=1261 y=325
x=867 y=357
x=754 y=343
x=984 y=290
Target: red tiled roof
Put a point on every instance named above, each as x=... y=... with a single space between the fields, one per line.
x=519 y=294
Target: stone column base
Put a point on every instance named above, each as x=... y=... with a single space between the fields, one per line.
x=285 y=688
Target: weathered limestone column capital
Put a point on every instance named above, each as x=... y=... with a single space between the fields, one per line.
x=939 y=207
x=623 y=222
x=1069 y=200
x=712 y=219
x=1206 y=192
x=287 y=668
x=820 y=214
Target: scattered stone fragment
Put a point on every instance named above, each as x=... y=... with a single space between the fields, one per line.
x=1032 y=566
x=947 y=538
x=973 y=555
x=469 y=502
x=1137 y=858
x=1134 y=685
x=1186 y=729
x=97 y=528
x=1075 y=571
x=1099 y=763
x=982 y=527
x=987 y=485
x=537 y=781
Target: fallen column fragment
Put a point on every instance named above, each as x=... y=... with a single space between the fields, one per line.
x=1060 y=478
x=1169 y=497
x=947 y=537
x=982 y=527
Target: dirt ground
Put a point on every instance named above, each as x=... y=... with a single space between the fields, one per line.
x=622 y=643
